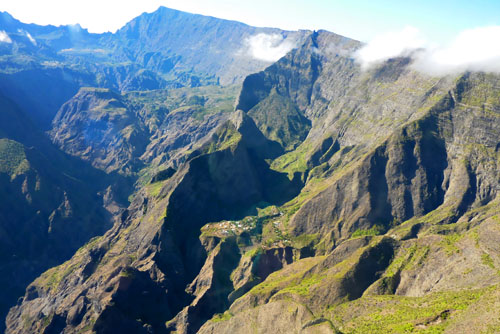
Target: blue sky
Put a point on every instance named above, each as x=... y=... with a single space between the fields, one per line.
x=362 y=19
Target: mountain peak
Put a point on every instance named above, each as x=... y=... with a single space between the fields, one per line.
x=8 y=22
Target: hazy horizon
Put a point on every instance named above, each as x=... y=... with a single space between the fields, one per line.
x=362 y=20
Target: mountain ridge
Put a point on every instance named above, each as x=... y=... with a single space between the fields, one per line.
x=72 y=57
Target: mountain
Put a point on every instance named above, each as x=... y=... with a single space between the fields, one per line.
x=55 y=203
x=168 y=41
x=163 y=49
x=315 y=197
x=398 y=208
x=184 y=47
x=130 y=132
x=51 y=203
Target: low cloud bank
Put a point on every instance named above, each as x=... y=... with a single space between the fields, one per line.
x=32 y=40
x=475 y=49
x=4 y=38
x=28 y=35
x=390 y=45
x=268 y=47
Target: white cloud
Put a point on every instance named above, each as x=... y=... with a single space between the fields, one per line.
x=28 y=35
x=4 y=38
x=268 y=47
x=389 y=45
x=475 y=49
x=32 y=40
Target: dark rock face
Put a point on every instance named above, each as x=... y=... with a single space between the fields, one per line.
x=28 y=86
x=163 y=175
x=46 y=212
x=136 y=300
x=96 y=122
x=210 y=289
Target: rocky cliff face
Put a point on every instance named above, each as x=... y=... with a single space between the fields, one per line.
x=161 y=230
x=138 y=131
x=47 y=209
x=417 y=184
x=332 y=200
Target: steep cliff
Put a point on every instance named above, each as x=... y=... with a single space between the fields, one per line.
x=155 y=248
x=426 y=178
x=47 y=209
x=138 y=131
